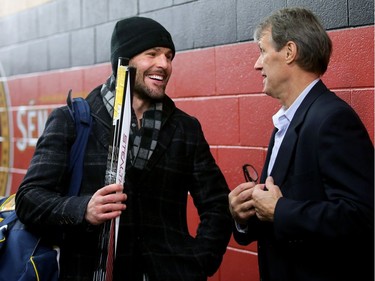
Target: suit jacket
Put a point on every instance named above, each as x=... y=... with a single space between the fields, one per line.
x=153 y=236
x=324 y=224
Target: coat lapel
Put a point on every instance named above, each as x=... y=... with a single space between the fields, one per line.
x=165 y=137
x=101 y=116
x=287 y=148
x=166 y=133
x=265 y=167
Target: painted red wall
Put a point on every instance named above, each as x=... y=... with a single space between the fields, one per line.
x=220 y=87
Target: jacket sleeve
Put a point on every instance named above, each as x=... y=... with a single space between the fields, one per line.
x=41 y=198
x=334 y=197
x=210 y=196
x=250 y=233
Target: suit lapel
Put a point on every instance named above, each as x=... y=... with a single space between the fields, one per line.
x=265 y=167
x=284 y=155
x=287 y=148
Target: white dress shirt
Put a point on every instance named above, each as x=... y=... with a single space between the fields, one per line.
x=281 y=121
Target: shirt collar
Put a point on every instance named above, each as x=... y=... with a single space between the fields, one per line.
x=288 y=113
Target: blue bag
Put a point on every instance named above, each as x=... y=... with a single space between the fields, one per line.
x=23 y=254
x=80 y=111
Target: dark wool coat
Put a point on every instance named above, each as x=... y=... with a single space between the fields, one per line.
x=323 y=225
x=153 y=236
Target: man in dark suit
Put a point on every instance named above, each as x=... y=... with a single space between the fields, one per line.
x=312 y=215
x=169 y=159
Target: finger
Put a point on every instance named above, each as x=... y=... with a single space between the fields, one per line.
x=243 y=216
x=242 y=209
x=105 y=212
x=242 y=187
x=245 y=195
x=113 y=198
x=116 y=197
x=259 y=188
x=108 y=189
x=105 y=217
x=269 y=181
x=114 y=207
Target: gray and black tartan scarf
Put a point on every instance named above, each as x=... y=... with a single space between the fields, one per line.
x=142 y=141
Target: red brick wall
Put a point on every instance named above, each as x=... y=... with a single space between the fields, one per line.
x=219 y=86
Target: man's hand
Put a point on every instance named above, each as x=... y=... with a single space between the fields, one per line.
x=105 y=204
x=240 y=205
x=264 y=199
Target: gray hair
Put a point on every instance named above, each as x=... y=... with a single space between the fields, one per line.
x=314 y=47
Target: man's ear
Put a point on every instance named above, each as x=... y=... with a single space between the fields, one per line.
x=291 y=52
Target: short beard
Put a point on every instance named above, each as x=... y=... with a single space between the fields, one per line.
x=145 y=93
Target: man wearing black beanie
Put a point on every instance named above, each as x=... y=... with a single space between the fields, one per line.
x=134 y=35
x=168 y=160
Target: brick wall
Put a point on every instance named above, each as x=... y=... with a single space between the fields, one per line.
x=45 y=50
x=220 y=87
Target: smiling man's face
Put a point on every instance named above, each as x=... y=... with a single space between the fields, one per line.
x=154 y=68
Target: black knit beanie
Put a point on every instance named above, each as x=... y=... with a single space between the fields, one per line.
x=134 y=35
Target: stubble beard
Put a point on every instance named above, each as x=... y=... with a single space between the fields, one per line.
x=146 y=93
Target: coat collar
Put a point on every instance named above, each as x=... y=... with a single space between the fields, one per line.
x=287 y=148
x=100 y=114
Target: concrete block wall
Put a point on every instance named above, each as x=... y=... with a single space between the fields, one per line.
x=213 y=77
x=217 y=85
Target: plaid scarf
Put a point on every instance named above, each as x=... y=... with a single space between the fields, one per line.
x=142 y=141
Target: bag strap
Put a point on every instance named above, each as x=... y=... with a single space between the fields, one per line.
x=80 y=112
x=9 y=219
x=7 y=206
x=7 y=203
